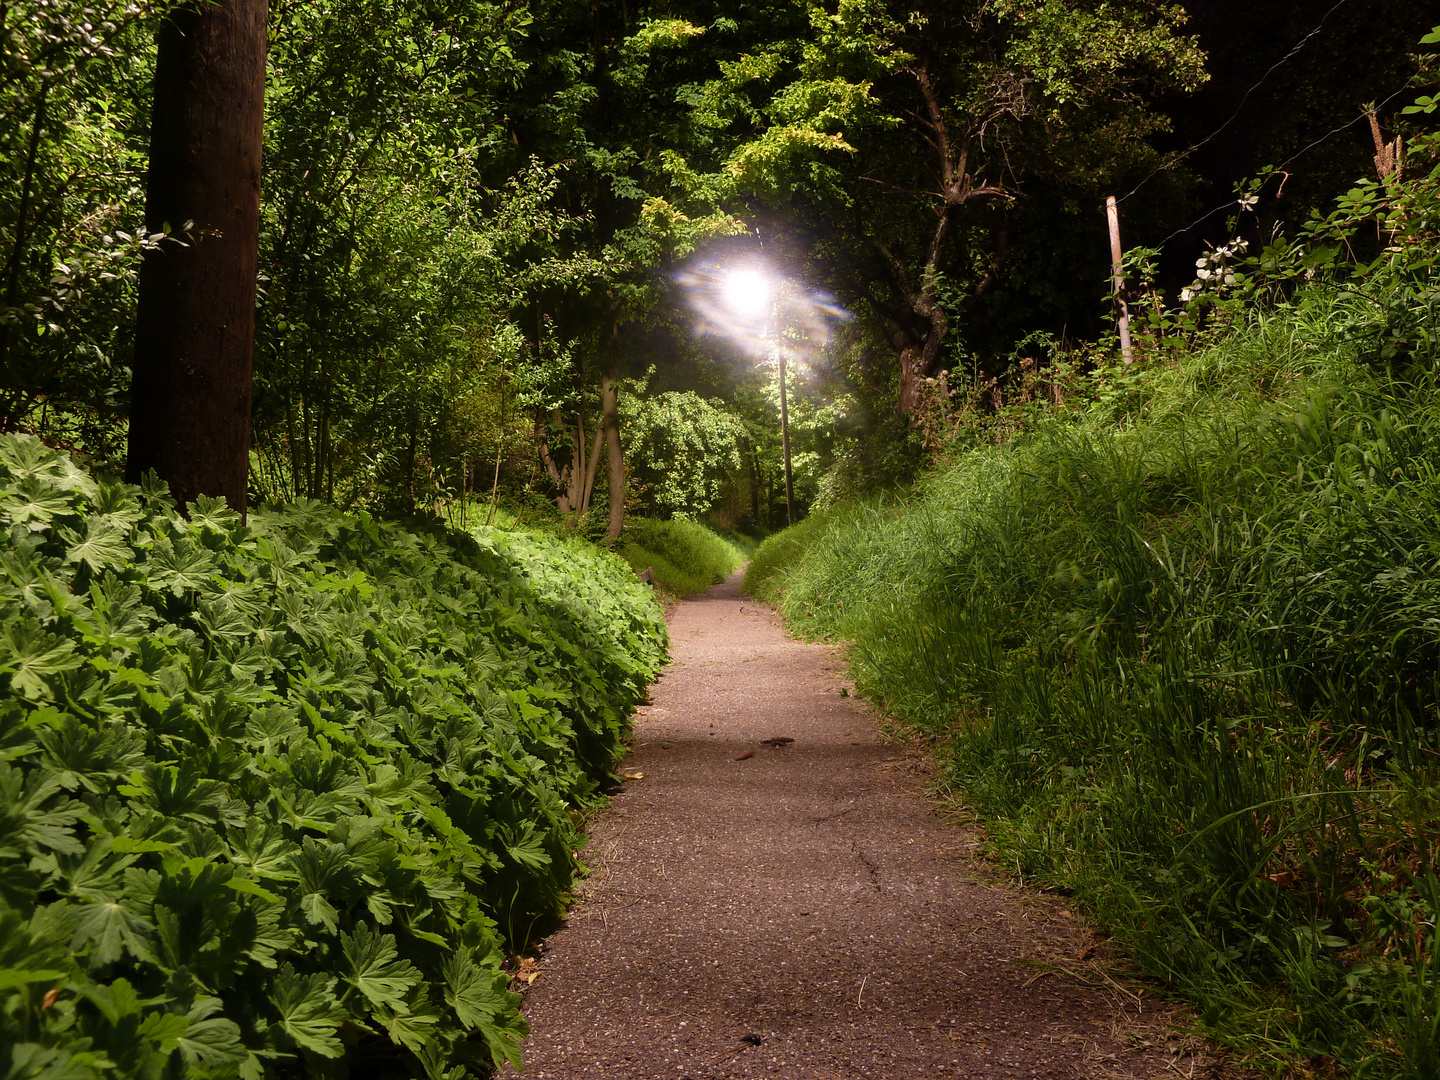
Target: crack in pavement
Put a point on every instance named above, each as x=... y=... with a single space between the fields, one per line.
x=860 y=943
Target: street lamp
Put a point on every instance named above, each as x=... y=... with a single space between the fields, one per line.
x=752 y=295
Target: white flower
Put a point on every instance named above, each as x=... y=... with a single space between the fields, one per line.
x=1229 y=279
x=1202 y=262
x=1186 y=295
x=1205 y=275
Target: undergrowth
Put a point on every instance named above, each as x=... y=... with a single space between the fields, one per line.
x=277 y=797
x=687 y=557
x=1188 y=670
x=1181 y=635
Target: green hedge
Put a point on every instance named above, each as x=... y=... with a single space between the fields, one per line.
x=276 y=797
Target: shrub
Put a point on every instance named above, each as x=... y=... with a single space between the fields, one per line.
x=277 y=796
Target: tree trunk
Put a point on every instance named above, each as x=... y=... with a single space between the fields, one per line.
x=195 y=327
x=559 y=474
x=610 y=422
x=592 y=465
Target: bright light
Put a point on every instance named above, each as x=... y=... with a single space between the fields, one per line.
x=762 y=309
x=747 y=293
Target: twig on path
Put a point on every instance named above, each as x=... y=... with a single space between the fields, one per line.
x=861 y=994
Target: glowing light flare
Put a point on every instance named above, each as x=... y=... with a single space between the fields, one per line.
x=761 y=310
x=747 y=293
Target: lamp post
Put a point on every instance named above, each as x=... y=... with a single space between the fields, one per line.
x=785 y=434
x=750 y=293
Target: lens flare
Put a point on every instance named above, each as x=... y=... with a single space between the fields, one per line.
x=763 y=311
x=747 y=293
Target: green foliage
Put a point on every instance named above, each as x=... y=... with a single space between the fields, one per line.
x=686 y=556
x=1182 y=637
x=276 y=797
x=74 y=77
x=680 y=448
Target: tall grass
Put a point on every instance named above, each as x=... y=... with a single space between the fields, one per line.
x=1183 y=645
x=686 y=556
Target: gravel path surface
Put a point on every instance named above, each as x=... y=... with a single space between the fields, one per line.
x=804 y=912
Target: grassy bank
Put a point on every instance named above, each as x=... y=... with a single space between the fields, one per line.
x=1182 y=642
x=687 y=557
x=277 y=798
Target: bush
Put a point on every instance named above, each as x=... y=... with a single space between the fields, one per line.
x=276 y=797
x=1184 y=643
x=686 y=556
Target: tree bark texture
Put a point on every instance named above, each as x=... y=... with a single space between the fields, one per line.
x=195 y=328
x=919 y=323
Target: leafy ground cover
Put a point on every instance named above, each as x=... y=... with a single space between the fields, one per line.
x=277 y=797
x=1182 y=643
x=687 y=557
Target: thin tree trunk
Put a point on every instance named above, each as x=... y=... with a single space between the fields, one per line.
x=610 y=425
x=577 y=468
x=195 y=327
x=592 y=466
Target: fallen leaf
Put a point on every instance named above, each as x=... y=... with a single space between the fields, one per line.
x=746 y=756
x=1284 y=878
x=1067 y=915
x=50 y=998
x=637 y=775
x=1088 y=953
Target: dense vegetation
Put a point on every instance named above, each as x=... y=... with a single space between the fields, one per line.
x=1180 y=636
x=287 y=791
x=477 y=222
x=686 y=557
x=280 y=792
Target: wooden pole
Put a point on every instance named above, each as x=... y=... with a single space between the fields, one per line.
x=785 y=439
x=1117 y=274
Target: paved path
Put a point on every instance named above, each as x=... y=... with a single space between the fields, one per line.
x=804 y=912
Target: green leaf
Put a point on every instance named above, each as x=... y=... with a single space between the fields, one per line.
x=117 y=1000
x=245 y=885
x=111 y=929
x=210 y=1040
x=103 y=547
x=472 y=991
x=13 y=977
x=309 y=1012
x=30 y=655
x=34 y=505
x=372 y=968
x=164 y=1029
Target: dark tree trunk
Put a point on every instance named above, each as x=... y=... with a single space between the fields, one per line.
x=195 y=328
x=919 y=322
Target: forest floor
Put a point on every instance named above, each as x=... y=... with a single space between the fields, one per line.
x=805 y=910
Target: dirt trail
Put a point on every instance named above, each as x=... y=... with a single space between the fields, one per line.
x=805 y=912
